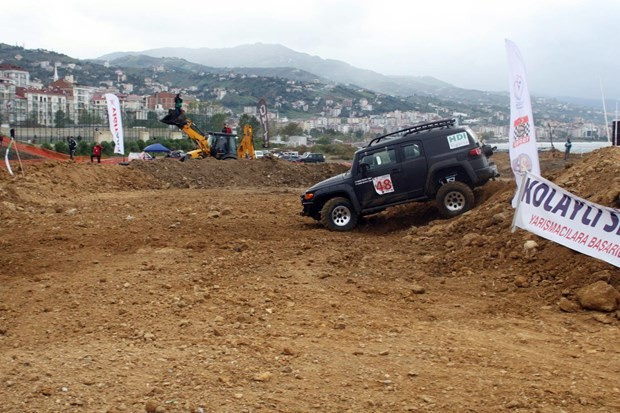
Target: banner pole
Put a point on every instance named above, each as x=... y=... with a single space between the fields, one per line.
x=19 y=159
x=520 y=190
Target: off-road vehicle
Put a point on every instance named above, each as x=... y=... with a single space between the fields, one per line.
x=435 y=160
x=312 y=158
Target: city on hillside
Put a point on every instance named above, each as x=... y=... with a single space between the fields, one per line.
x=34 y=106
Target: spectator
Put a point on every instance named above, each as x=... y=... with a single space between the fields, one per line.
x=178 y=104
x=568 y=145
x=96 y=153
x=226 y=129
x=1 y=139
x=72 y=146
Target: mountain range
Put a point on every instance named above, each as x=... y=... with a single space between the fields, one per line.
x=249 y=58
x=270 y=56
x=268 y=67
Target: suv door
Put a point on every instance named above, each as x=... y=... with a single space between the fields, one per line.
x=413 y=166
x=374 y=179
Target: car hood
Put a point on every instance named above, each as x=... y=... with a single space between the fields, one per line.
x=334 y=180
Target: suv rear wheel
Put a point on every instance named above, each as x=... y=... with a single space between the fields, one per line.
x=454 y=198
x=338 y=214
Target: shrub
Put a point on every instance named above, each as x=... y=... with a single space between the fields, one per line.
x=61 y=147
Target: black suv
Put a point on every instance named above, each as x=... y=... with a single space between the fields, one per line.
x=435 y=160
x=312 y=158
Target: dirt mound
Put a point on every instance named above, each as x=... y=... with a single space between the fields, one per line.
x=50 y=180
x=481 y=238
x=211 y=173
x=53 y=179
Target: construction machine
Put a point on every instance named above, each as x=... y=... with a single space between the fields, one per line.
x=216 y=144
x=246 y=147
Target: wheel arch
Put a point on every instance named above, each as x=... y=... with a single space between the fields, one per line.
x=437 y=176
x=340 y=191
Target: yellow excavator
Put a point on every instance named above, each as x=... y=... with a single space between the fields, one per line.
x=216 y=144
x=245 y=150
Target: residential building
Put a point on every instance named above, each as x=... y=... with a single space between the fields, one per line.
x=161 y=101
x=20 y=77
x=44 y=104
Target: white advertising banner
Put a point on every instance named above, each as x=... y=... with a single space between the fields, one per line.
x=553 y=213
x=116 y=123
x=522 y=135
x=6 y=158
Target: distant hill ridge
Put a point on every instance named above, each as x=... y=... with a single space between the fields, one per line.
x=274 y=56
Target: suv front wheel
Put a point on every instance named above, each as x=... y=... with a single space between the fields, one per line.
x=454 y=198
x=338 y=215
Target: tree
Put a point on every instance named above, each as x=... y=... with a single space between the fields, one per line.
x=87 y=118
x=487 y=135
x=31 y=120
x=60 y=120
x=324 y=140
x=216 y=122
x=246 y=119
x=292 y=129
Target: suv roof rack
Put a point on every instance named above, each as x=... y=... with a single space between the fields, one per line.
x=442 y=123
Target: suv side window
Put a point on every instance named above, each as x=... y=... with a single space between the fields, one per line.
x=379 y=159
x=412 y=151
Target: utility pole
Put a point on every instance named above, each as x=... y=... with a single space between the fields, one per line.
x=551 y=136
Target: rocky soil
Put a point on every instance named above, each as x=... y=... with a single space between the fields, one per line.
x=197 y=287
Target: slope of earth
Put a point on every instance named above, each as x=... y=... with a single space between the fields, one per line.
x=197 y=287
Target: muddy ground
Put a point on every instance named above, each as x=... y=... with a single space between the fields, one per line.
x=197 y=287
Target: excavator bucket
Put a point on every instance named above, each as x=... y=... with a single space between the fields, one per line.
x=172 y=119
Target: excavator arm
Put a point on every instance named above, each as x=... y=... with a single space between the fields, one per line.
x=191 y=130
x=186 y=125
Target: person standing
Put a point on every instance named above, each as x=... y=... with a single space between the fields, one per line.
x=1 y=139
x=72 y=146
x=97 y=149
x=226 y=129
x=568 y=145
x=178 y=104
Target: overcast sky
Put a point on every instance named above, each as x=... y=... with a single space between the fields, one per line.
x=569 y=46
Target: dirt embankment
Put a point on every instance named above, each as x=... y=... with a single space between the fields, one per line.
x=197 y=287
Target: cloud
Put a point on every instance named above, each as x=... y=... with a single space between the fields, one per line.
x=567 y=44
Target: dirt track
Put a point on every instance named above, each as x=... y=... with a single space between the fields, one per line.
x=197 y=287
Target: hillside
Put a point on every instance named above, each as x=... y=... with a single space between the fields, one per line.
x=423 y=90
x=249 y=78
x=274 y=56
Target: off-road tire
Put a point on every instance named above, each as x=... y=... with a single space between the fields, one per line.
x=338 y=215
x=454 y=198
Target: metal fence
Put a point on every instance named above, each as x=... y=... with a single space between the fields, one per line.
x=97 y=128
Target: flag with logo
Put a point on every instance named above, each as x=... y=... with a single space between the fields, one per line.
x=522 y=136
x=116 y=123
x=264 y=121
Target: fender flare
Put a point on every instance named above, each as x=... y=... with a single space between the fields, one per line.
x=338 y=190
x=446 y=165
